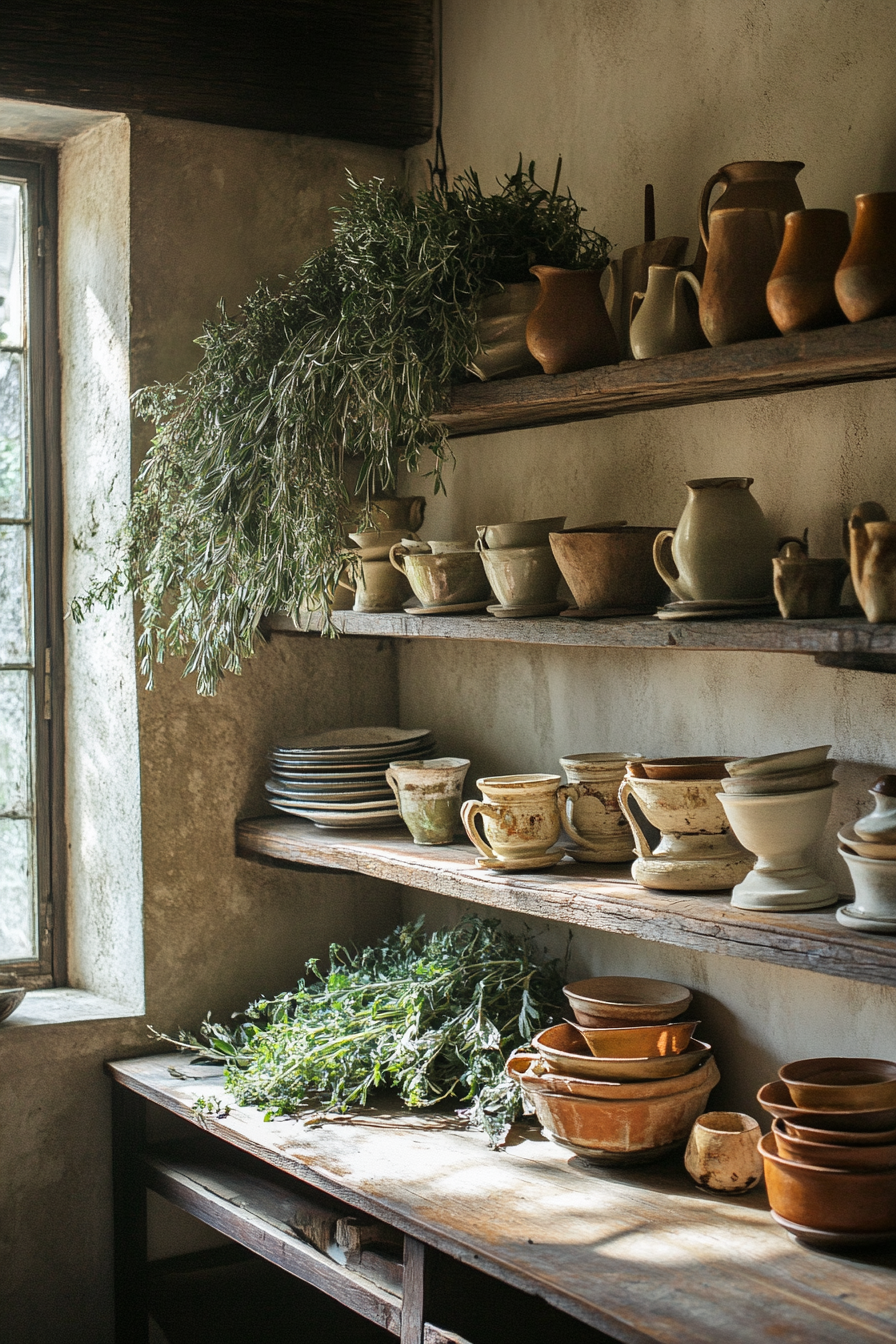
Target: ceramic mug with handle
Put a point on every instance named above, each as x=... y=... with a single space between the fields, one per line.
x=520 y=819
x=428 y=794
x=589 y=807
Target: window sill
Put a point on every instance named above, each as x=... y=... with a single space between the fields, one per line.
x=55 y=1007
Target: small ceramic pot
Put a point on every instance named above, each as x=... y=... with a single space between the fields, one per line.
x=610 y=567
x=780 y=828
x=501 y=332
x=800 y=291
x=874 y=881
x=880 y=825
x=522 y=575
x=872 y=561
x=451 y=579
x=742 y=251
x=828 y=1200
x=520 y=818
x=428 y=794
x=866 y=280
x=379 y=587
x=589 y=807
x=807 y=588
x=696 y=851
x=723 y=1152
x=529 y=532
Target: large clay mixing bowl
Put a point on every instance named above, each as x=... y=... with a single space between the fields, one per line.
x=775 y=1098
x=842 y=1156
x=625 y=1000
x=647 y=1042
x=610 y=567
x=564 y=1051
x=826 y=1199
x=835 y=1084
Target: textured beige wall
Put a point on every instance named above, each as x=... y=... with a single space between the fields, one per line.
x=667 y=93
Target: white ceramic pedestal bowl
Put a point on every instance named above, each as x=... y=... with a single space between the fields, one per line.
x=874 y=909
x=780 y=828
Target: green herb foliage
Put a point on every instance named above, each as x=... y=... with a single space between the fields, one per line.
x=430 y=1017
x=240 y=506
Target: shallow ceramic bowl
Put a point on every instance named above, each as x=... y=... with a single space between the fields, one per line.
x=866 y=849
x=835 y=1084
x=842 y=1156
x=849 y=1137
x=826 y=1199
x=779 y=761
x=532 y=532
x=376 y=545
x=797 y=781
x=682 y=767
x=9 y=1001
x=775 y=1098
x=532 y=1071
x=645 y=1042
x=565 y=1051
x=625 y=1000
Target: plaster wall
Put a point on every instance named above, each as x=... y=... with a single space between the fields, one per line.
x=667 y=93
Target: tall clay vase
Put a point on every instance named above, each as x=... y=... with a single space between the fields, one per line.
x=800 y=292
x=743 y=248
x=866 y=280
x=569 y=328
x=755 y=183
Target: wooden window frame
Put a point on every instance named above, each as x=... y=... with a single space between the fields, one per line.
x=37 y=165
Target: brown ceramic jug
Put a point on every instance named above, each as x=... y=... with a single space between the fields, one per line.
x=569 y=328
x=866 y=280
x=756 y=183
x=800 y=292
x=872 y=561
x=743 y=249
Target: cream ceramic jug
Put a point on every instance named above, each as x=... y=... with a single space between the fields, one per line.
x=663 y=322
x=723 y=545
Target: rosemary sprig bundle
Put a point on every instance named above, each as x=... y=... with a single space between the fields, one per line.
x=431 y=1017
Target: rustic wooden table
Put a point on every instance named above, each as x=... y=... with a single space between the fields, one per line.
x=639 y=1255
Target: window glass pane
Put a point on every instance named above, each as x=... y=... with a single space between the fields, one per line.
x=12 y=439
x=12 y=288
x=15 y=594
x=15 y=743
x=18 y=936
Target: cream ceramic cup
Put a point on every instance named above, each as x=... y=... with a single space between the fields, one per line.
x=520 y=818
x=428 y=794
x=723 y=1152
x=589 y=807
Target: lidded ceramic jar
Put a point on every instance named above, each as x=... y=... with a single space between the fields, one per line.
x=722 y=547
x=880 y=824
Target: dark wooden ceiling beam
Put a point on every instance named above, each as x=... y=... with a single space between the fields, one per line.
x=344 y=69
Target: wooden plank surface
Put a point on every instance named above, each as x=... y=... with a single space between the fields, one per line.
x=594 y=896
x=261 y=1216
x=640 y=1253
x=851 y=635
x=846 y=354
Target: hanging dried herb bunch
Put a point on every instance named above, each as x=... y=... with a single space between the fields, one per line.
x=239 y=508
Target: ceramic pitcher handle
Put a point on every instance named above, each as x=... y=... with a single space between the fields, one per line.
x=568 y=794
x=393 y=785
x=688 y=278
x=637 y=298
x=396 y=556
x=641 y=845
x=704 y=204
x=661 y=542
x=468 y=814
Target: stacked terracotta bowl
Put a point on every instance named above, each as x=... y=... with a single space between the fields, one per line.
x=830 y=1159
x=627 y=1080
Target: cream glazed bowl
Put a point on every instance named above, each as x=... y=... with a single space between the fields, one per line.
x=780 y=828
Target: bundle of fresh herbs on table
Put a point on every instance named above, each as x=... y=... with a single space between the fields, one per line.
x=432 y=1017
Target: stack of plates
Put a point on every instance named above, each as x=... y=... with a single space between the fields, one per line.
x=338 y=779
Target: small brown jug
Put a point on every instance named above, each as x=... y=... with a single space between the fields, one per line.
x=743 y=249
x=872 y=561
x=757 y=183
x=800 y=292
x=569 y=328
x=866 y=280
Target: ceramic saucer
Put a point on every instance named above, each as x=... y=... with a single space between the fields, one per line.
x=583 y=855
x=718 y=603
x=849 y=917
x=530 y=609
x=814 y=1236
x=866 y=849
x=459 y=609
x=722 y=612
x=604 y=613
x=521 y=865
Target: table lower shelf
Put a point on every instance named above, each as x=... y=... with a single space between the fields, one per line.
x=588 y=895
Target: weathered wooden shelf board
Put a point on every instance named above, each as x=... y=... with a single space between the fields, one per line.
x=846 y=354
x=592 y=896
x=841 y=637
x=639 y=1253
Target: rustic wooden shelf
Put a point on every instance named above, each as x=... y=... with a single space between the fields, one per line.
x=639 y=1253
x=594 y=896
x=845 y=354
x=840 y=642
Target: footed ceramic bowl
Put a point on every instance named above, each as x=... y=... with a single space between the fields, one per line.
x=780 y=828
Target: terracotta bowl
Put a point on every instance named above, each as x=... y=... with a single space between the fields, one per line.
x=610 y=566
x=532 y=1071
x=830 y=1084
x=683 y=767
x=850 y=1138
x=644 y=1042
x=564 y=1051
x=842 y=1156
x=779 y=761
x=625 y=1000
x=775 y=1098
x=826 y=1199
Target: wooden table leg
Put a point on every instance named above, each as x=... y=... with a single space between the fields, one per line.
x=413 y=1292
x=129 y=1209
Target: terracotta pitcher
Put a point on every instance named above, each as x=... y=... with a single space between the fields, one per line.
x=663 y=320
x=723 y=545
x=800 y=293
x=872 y=561
x=756 y=183
x=866 y=280
x=569 y=328
x=743 y=249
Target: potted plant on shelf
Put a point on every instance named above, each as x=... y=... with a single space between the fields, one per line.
x=240 y=506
